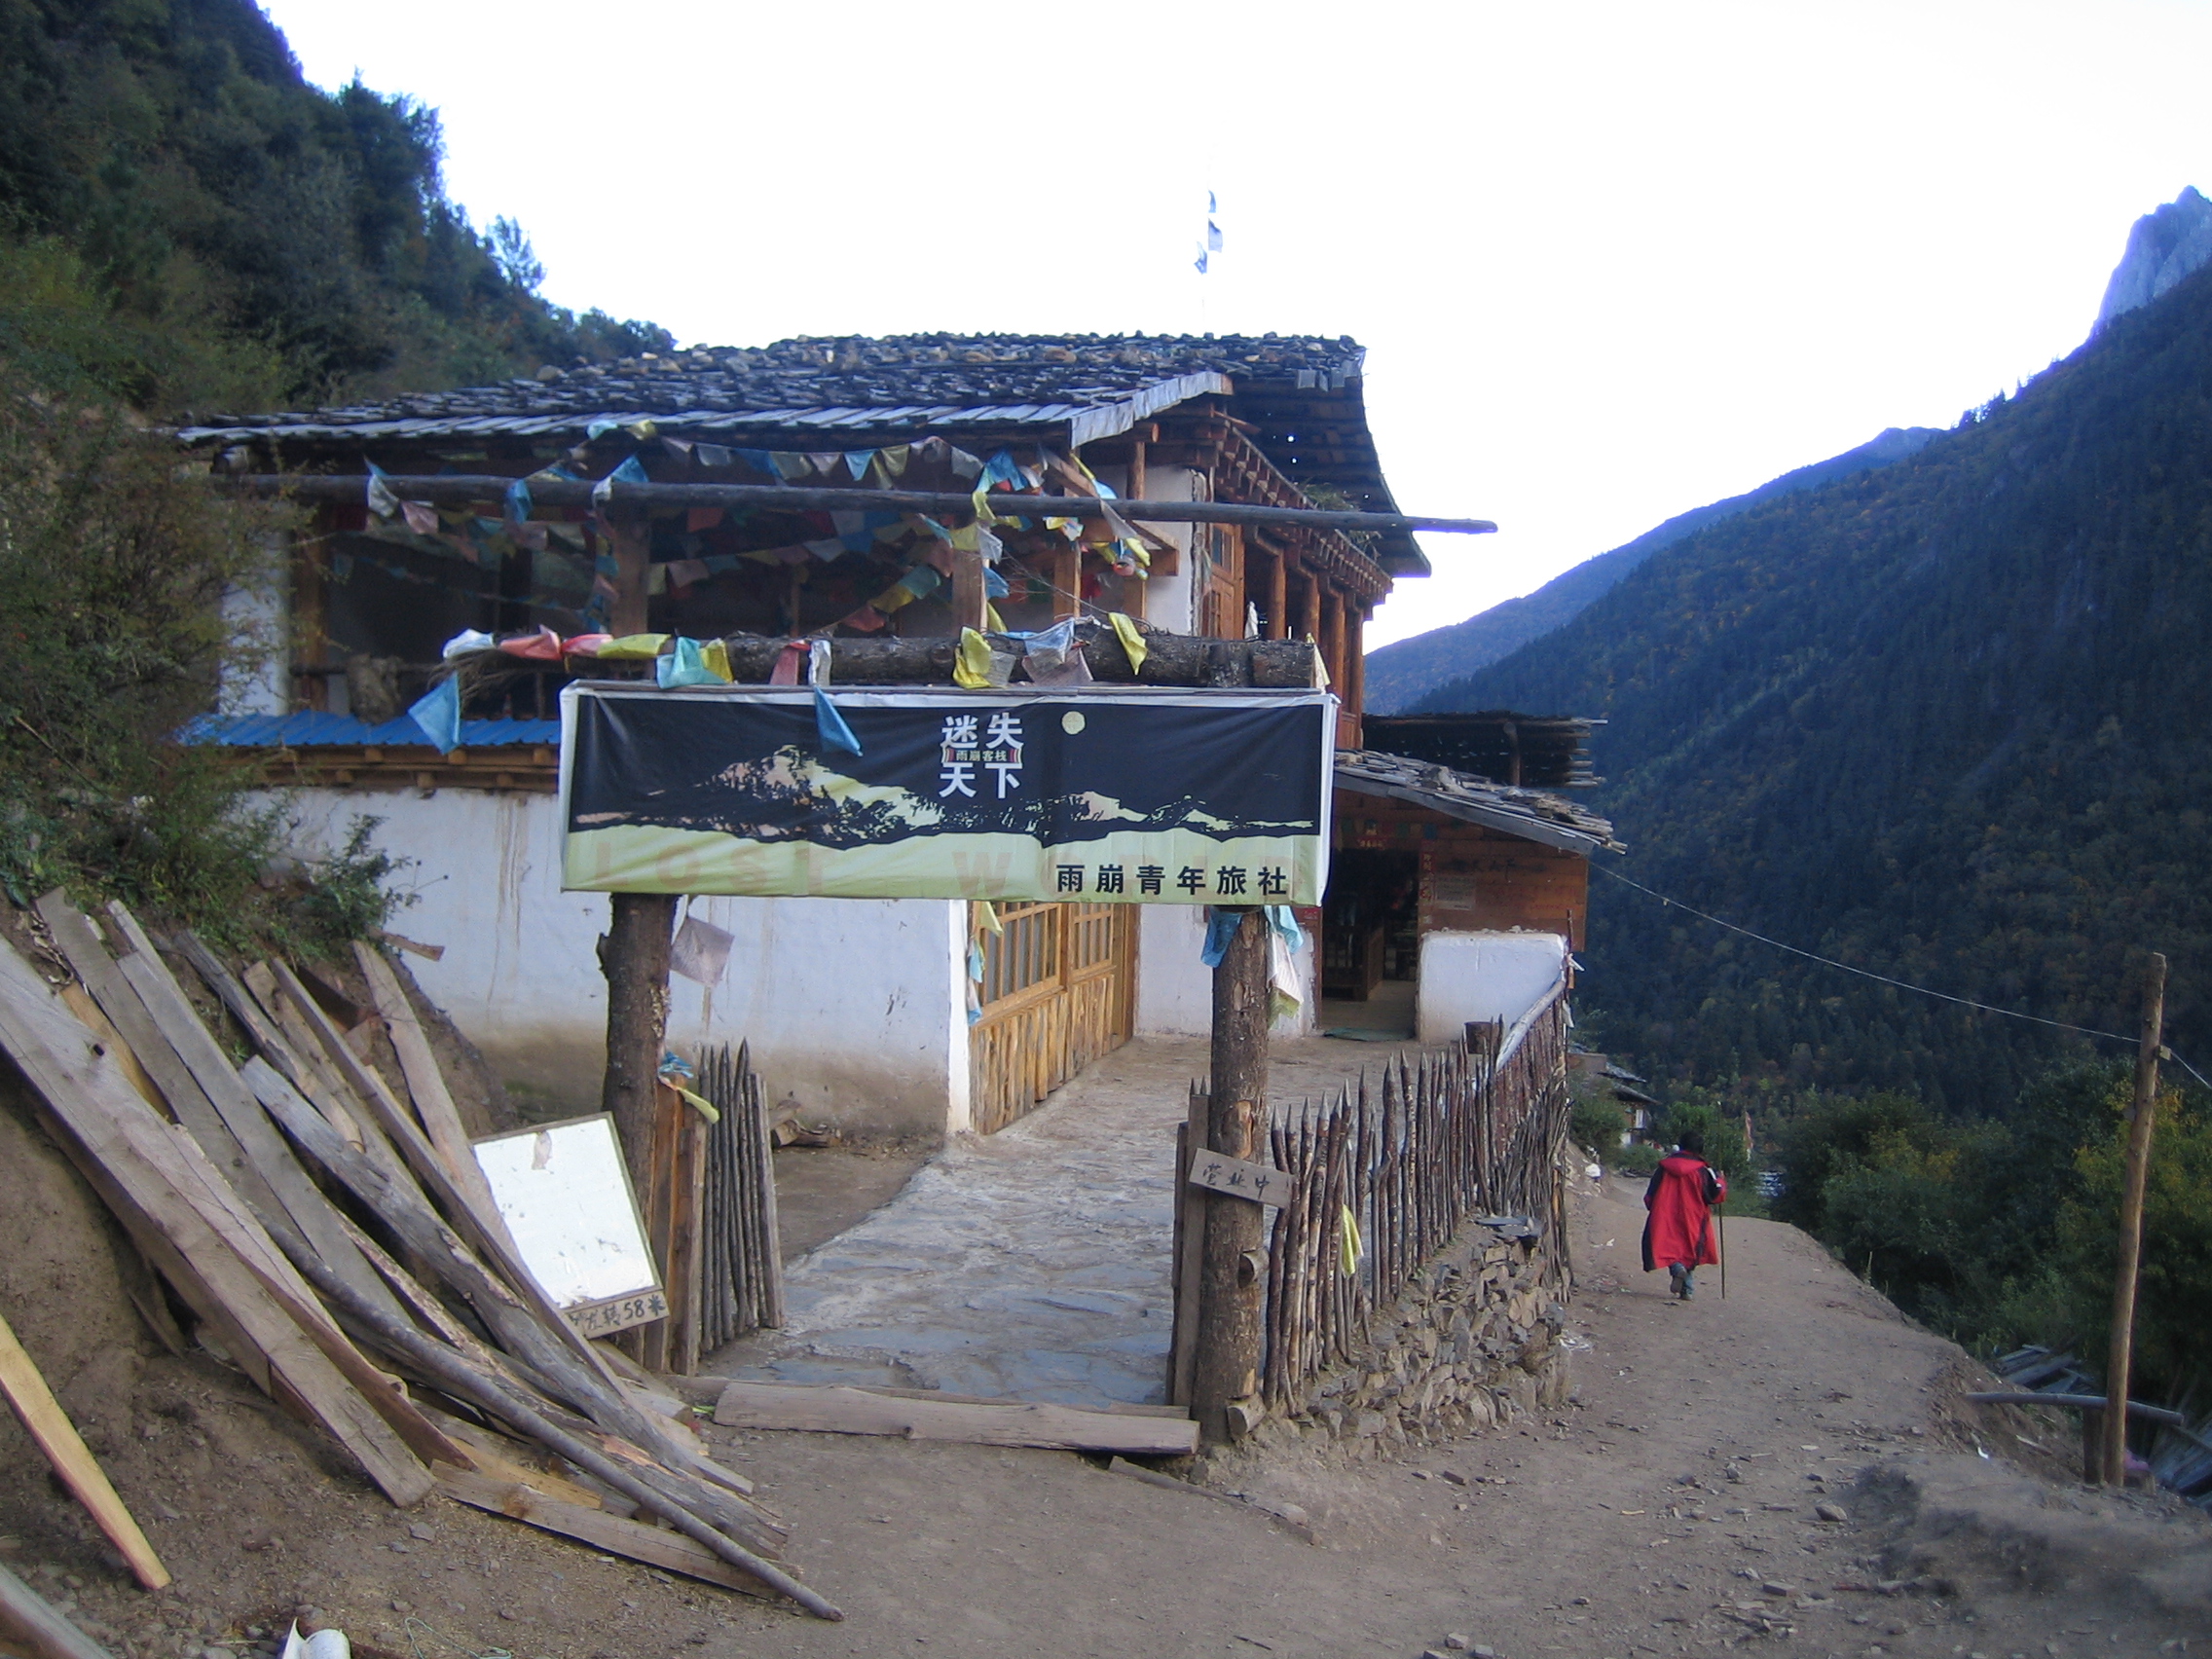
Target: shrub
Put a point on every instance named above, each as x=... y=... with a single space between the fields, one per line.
x=114 y=568
x=1598 y=1122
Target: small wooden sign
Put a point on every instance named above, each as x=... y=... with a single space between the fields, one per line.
x=616 y=1313
x=1218 y=1172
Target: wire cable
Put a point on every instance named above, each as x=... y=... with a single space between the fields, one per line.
x=1901 y=984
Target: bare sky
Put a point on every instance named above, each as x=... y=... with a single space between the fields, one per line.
x=1610 y=260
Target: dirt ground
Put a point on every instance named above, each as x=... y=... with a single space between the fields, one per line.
x=1670 y=1509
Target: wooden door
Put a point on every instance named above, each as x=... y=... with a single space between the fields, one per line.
x=1059 y=990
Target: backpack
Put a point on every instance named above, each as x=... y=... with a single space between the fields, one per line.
x=1709 y=1183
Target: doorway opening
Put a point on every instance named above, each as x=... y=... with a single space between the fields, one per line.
x=1371 y=944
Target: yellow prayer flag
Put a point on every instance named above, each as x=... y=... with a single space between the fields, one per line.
x=1132 y=642
x=634 y=646
x=713 y=657
x=972 y=664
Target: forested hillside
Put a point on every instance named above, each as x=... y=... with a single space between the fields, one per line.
x=1945 y=721
x=187 y=226
x=1399 y=676
x=188 y=223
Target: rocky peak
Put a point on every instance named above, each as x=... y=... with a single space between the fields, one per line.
x=2163 y=249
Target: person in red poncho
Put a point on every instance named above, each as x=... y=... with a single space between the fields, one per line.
x=1679 y=1233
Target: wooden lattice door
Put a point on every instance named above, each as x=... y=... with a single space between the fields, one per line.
x=1058 y=990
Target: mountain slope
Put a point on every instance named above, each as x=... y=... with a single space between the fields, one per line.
x=1944 y=721
x=1399 y=676
x=184 y=218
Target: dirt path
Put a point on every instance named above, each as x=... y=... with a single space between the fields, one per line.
x=1609 y=1529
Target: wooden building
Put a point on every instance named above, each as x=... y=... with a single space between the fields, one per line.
x=861 y=1009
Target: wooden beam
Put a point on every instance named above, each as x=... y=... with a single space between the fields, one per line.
x=838 y=1410
x=46 y=1422
x=632 y=1540
x=457 y=489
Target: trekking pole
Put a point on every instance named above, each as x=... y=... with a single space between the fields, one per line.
x=1723 y=1214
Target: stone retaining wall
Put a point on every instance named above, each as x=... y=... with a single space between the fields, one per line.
x=1473 y=1342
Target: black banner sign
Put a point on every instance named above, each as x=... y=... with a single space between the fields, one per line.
x=1134 y=795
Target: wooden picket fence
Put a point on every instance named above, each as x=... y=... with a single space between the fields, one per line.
x=742 y=1275
x=1451 y=1136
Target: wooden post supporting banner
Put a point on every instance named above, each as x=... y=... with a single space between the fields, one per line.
x=2142 y=1116
x=634 y=957
x=1226 y=1363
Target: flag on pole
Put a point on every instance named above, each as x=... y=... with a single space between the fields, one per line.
x=1212 y=244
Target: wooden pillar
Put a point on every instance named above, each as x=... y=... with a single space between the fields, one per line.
x=1063 y=567
x=1134 y=588
x=2143 y=1114
x=1309 y=607
x=310 y=640
x=632 y=533
x=1278 y=595
x=968 y=598
x=1355 y=670
x=1231 y=1288
x=1333 y=638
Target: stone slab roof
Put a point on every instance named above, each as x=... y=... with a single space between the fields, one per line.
x=1531 y=814
x=909 y=380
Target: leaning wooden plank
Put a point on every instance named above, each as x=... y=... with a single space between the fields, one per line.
x=81 y=1004
x=507 y=1460
x=79 y=1472
x=159 y=1171
x=425 y=1082
x=518 y=1330
x=81 y=947
x=487 y=1233
x=478 y=1221
x=856 y=1410
x=465 y=1383
x=267 y=1176
x=633 y=1539
x=29 y=1621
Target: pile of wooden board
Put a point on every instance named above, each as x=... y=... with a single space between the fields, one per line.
x=333 y=1236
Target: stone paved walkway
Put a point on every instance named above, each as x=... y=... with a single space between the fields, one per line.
x=1031 y=1264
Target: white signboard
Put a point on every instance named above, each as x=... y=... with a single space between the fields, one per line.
x=565 y=1194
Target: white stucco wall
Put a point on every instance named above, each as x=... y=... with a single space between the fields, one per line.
x=1167 y=598
x=855 y=1006
x=1175 y=986
x=262 y=614
x=1483 y=976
